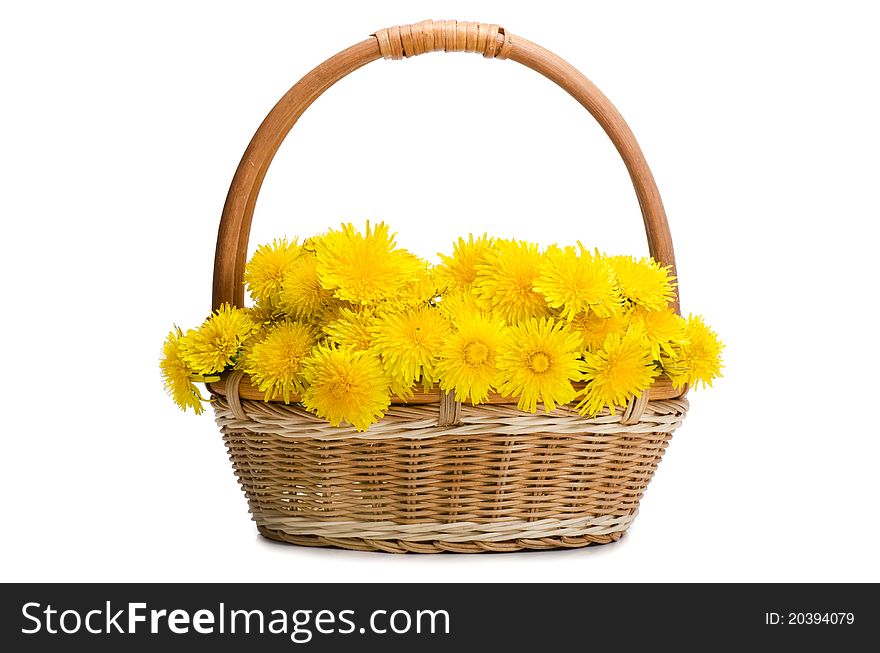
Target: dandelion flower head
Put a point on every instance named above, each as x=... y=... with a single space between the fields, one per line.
x=275 y=364
x=623 y=368
x=264 y=273
x=216 y=343
x=468 y=358
x=176 y=376
x=538 y=361
x=346 y=385
x=644 y=282
x=459 y=271
x=351 y=329
x=505 y=281
x=662 y=328
x=698 y=359
x=576 y=282
x=301 y=295
x=594 y=329
x=410 y=343
x=363 y=268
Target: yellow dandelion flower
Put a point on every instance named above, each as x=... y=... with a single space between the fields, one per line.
x=468 y=358
x=594 y=329
x=351 y=329
x=538 y=362
x=332 y=311
x=455 y=302
x=216 y=344
x=401 y=389
x=409 y=344
x=459 y=271
x=346 y=385
x=176 y=376
x=662 y=329
x=698 y=356
x=264 y=318
x=264 y=273
x=644 y=282
x=257 y=336
x=506 y=278
x=363 y=268
x=623 y=368
x=301 y=295
x=578 y=282
x=310 y=243
x=426 y=286
x=422 y=289
x=275 y=364
x=262 y=315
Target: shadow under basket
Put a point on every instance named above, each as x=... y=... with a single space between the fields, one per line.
x=435 y=475
x=493 y=479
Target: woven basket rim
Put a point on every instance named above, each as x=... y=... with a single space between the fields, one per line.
x=420 y=422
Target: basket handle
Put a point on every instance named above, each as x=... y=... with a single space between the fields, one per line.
x=406 y=41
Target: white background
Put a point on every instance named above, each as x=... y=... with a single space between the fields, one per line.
x=121 y=129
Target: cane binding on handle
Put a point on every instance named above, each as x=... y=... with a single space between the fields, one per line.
x=407 y=41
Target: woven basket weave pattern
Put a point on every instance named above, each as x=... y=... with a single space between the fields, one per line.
x=497 y=480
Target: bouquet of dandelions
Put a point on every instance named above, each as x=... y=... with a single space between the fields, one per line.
x=344 y=321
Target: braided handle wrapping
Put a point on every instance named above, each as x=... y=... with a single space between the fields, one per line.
x=443 y=36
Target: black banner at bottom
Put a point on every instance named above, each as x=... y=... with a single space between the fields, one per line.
x=332 y=617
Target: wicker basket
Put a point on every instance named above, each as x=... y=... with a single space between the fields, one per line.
x=434 y=475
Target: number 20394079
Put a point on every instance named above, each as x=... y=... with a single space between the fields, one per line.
x=809 y=618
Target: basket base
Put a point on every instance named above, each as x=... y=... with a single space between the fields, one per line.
x=404 y=546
